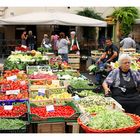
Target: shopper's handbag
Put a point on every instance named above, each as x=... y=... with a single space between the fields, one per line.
x=74 y=48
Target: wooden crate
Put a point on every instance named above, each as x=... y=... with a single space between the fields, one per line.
x=128 y=51
x=96 y=54
x=51 y=127
x=74 y=61
x=75 y=66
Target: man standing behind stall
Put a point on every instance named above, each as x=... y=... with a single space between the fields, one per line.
x=128 y=42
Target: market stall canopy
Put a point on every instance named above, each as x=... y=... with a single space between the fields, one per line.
x=52 y=18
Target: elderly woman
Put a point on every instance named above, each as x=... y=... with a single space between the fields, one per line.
x=122 y=83
x=74 y=45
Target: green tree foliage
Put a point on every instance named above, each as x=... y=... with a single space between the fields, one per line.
x=89 y=32
x=126 y=17
x=89 y=12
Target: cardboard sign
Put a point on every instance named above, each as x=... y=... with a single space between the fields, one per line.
x=22 y=82
x=9 y=92
x=8 y=107
x=12 y=78
x=50 y=108
x=55 y=82
x=85 y=118
x=41 y=91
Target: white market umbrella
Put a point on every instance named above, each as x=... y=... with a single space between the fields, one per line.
x=52 y=18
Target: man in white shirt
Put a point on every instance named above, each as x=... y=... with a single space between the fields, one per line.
x=128 y=42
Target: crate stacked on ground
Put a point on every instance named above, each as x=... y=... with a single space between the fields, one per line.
x=74 y=61
x=52 y=112
x=95 y=54
x=127 y=51
x=14 y=85
x=14 y=116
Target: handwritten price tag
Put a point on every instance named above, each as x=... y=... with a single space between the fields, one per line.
x=41 y=91
x=50 y=108
x=85 y=118
x=22 y=82
x=8 y=92
x=12 y=78
x=55 y=82
x=8 y=107
x=76 y=98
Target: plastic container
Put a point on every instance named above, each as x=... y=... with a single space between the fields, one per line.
x=35 y=118
x=131 y=129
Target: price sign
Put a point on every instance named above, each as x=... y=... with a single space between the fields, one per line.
x=76 y=98
x=50 y=108
x=41 y=91
x=35 y=73
x=8 y=92
x=55 y=82
x=22 y=82
x=85 y=118
x=12 y=78
x=8 y=107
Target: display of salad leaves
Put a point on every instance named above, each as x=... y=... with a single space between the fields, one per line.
x=110 y=120
x=11 y=124
x=93 y=100
x=81 y=84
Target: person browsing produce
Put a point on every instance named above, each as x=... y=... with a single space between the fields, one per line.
x=123 y=83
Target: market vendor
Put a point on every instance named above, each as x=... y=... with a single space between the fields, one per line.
x=122 y=84
x=110 y=54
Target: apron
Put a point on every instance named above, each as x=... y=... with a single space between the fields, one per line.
x=127 y=95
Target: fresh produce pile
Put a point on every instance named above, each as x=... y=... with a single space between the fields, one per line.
x=85 y=93
x=22 y=49
x=16 y=111
x=93 y=100
x=59 y=111
x=12 y=85
x=20 y=74
x=55 y=62
x=63 y=95
x=13 y=89
x=95 y=109
x=68 y=72
x=81 y=84
x=45 y=69
x=20 y=60
x=43 y=76
x=11 y=124
x=57 y=90
x=110 y=120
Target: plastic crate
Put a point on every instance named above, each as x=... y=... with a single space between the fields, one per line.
x=74 y=91
x=35 y=118
x=22 y=129
x=24 y=116
x=37 y=69
x=130 y=129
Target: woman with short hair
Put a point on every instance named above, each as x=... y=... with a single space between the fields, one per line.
x=123 y=85
x=62 y=44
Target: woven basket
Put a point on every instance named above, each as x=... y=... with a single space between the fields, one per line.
x=131 y=129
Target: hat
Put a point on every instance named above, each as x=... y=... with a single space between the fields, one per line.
x=73 y=33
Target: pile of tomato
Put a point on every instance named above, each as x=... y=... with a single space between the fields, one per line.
x=59 y=111
x=16 y=111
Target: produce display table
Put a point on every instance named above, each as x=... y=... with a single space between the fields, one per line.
x=41 y=99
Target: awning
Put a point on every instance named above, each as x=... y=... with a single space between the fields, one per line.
x=52 y=18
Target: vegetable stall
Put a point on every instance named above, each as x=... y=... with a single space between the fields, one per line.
x=41 y=94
